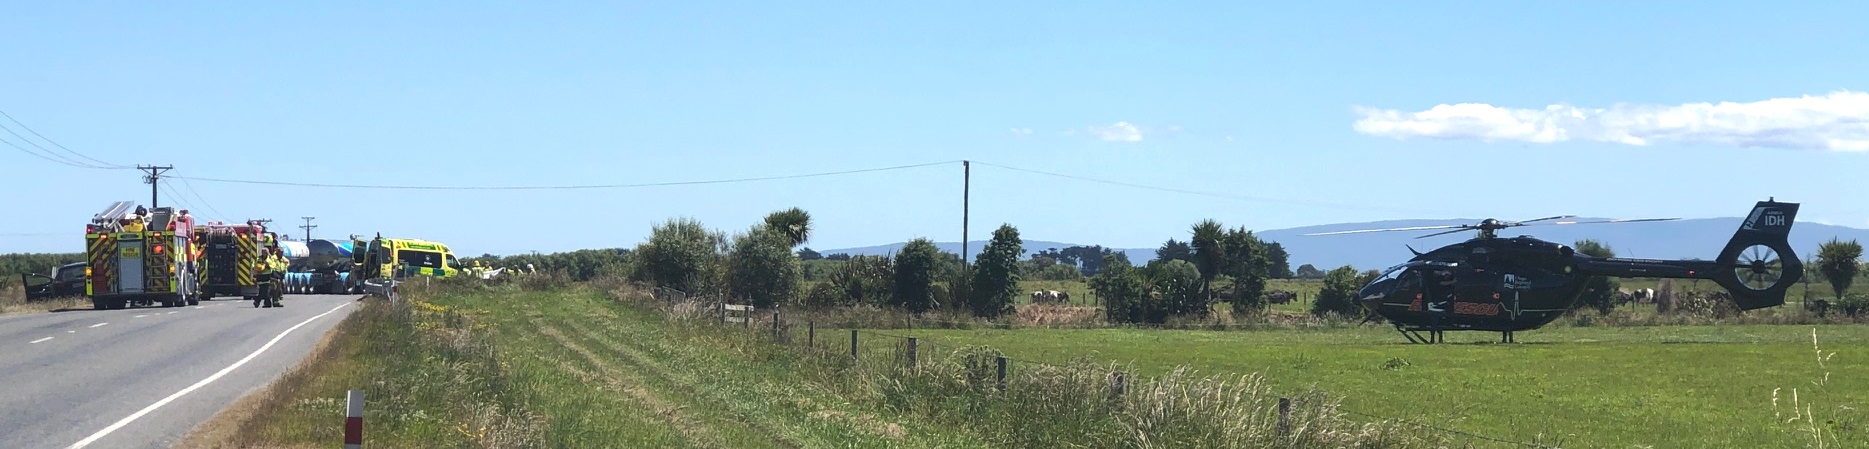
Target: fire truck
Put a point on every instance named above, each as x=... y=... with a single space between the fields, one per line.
x=126 y=266
x=229 y=255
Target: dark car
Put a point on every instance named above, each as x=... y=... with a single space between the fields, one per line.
x=67 y=281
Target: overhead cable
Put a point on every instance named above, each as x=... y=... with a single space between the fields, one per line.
x=562 y=187
x=204 y=201
x=69 y=161
x=41 y=156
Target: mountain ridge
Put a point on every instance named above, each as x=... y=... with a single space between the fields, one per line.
x=1679 y=239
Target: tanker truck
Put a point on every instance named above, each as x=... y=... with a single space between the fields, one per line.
x=316 y=266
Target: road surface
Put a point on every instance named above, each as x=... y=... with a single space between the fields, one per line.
x=145 y=377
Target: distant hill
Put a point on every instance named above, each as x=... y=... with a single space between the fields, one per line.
x=1681 y=239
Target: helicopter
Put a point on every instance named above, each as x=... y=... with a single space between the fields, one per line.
x=1509 y=284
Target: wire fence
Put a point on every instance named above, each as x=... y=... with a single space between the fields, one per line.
x=865 y=346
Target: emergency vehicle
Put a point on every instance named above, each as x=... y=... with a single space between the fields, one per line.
x=229 y=256
x=131 y=267
x=397 y=258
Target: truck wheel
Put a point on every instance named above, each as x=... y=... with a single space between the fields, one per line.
x=194 y=300
x=99 y=304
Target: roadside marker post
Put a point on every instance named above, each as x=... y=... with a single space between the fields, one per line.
x=353 y=420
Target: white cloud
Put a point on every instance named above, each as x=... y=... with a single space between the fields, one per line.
x=1118 y=132
x=1022 y=131
x=1838 y=121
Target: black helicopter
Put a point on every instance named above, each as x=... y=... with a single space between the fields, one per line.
x=1507 y=284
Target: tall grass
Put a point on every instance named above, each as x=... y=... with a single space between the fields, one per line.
x=1075 y=404
x=429 y=378
x=1802 y=421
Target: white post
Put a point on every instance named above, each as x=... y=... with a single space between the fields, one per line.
x=353 y=420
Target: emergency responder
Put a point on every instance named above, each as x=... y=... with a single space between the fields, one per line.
x=263 y=276
x=278 y=265
x=133 y=223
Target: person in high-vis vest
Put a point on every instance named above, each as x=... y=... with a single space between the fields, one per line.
x=278 y=265
x=266 y=275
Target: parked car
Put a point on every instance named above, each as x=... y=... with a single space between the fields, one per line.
x=67 y=281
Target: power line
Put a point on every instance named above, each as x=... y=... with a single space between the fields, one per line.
x=41 y=156
x=1213 y=194
x=29 y=129
x=566 y=187
x=204 y=201
x=66 y=160
x=178 y=197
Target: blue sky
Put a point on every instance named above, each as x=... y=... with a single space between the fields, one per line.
x=1329 y=107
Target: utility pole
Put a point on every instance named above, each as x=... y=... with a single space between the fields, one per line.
x=966 y=185
x=308 y=227
x=154 y=176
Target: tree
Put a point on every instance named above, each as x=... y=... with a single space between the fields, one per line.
x=1598 y=291
x=1278 y=262
x=808 y=254
x=794 y=223
x=996 y=274
x=680 y=254
x=1837 y=260
x=838 y=256
x=1093 y=257
x=1210 y=253
x=1125 y=293
x=1307 y=271
x=761 y=268
x=1180 y=284
x=1174 y=250
x=1339 y=293
x=1246 y=262
x=915 y=275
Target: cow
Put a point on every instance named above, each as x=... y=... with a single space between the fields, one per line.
x=1045 y=296
x=1280 y=296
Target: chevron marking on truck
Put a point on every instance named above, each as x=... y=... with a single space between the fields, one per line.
x=243 y=270
x=102 y=247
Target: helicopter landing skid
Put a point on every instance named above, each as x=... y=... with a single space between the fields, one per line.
x=1439 y=335
x=1434 y=335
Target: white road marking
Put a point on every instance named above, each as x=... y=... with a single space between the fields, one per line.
x=94 y=326
x=171 y=313
x=71 y=332
x=217 y=375
x=139 y=316
x=199 y=307
x=40 y=340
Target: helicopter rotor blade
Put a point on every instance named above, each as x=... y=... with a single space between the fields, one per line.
x=1516 y=223
x=1411 y=228
x=1629 y=220
x=1442 y=233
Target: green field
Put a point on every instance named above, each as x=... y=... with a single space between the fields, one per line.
x=1682 y=386
x=584 y=366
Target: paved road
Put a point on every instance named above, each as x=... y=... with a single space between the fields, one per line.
x=142 y=378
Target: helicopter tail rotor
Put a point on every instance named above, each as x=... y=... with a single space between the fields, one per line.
x=1762 y=264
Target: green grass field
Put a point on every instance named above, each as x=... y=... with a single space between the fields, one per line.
x=505 y=367
x=1685 y=386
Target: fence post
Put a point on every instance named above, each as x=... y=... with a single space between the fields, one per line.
x=775 y=328
x=853 y=344
x=353 y=420
x=811 y=334
x=1002 y=373
x=723 y=312
x=1284 y=418
x=911 y=352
